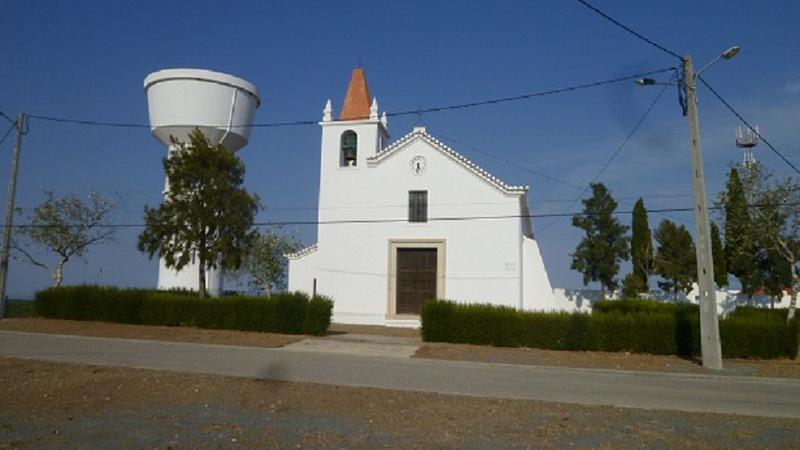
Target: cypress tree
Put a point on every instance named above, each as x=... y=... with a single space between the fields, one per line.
x=641 y=244
x=739 y=246
x=718 y=253
x=675 y=261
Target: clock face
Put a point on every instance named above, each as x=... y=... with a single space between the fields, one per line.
x=418 y=164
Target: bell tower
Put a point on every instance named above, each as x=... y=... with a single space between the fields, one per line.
x=347 y=142
x=358 y=133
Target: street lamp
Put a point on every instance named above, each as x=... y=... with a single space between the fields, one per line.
x=727 y=54
x=709 y=323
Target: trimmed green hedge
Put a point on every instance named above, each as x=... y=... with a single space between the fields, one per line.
x=655 y=331
x=636 y=306
x=290 y=313
x=19 y=309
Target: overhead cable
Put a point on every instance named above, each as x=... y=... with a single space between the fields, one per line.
x=612 y=158
x=5 y=136
x=11 y=121
x=387 y=220
x=747 y=124
x=510 y=163
x=494 y=101
x=629 y=30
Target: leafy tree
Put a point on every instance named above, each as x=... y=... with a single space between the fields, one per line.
x=718 y=254
x=264 y=264
x=632 y=286
x=641 y=245
x=740 y=250
x=206 y=214
x=775 y=212
x=774 y=273
x=675 y=259
x=65 y=226
x=604 y=244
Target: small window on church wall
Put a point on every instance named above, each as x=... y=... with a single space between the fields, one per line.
x=417 y=206
x=349 y=149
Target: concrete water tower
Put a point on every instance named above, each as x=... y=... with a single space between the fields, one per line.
x=222 y=106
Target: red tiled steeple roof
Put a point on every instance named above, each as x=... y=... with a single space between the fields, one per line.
x=357 y=101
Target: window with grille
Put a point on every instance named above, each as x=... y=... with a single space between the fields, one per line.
x=417 y=206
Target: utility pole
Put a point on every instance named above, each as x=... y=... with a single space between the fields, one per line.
x=709 y=323
x=12 y=190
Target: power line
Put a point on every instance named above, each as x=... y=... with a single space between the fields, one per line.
x=355 y=221
x=510 y=163
x=629 y=30
x=528 y=96
x=5 y=136
x=389 y=114
x=613 y=156
x=391 y=220
x=405 y=205
x=747 y=124
x=11 y=121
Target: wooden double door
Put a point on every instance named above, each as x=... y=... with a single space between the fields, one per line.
x=416 y=278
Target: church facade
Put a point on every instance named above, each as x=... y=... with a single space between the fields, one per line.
x=409 y=221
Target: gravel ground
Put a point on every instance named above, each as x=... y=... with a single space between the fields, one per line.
x=64 y=406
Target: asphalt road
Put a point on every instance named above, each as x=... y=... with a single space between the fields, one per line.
x=681 y=392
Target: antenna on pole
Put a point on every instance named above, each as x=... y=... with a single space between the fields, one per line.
x=746 y=140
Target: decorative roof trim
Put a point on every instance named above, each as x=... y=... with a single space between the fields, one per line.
x=422 y=134
x=301 y=253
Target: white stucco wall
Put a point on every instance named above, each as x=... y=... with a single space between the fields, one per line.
x=188 y=278
x=485 y=260
x=537 y=292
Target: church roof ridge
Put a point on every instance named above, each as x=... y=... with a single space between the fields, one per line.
x=302 y=252
x=357 y=100
x=422 y=133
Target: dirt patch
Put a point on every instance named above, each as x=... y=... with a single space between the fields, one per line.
x=57 y=405
x=461 y=352
x=341 y=328
x=149 y=332
x=603 y=360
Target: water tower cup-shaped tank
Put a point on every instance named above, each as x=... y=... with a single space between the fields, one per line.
x=222 y=106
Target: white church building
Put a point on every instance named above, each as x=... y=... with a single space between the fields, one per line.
x=409 y=221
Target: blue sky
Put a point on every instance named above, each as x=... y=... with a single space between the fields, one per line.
x=87 y=60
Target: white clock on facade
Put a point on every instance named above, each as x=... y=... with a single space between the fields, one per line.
x=418 y=164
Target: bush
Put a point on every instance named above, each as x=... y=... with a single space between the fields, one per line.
x=754 y=311
x=637 y=306
x=634 y=326
x=291 y=313
x=19 y=309
x=318 y=315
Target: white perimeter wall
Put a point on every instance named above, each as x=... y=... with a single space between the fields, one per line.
x=582 y=300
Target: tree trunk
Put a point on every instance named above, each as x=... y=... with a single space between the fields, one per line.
x=268 y=289
x=201 y=275
x=793 y=301
x=58 y=276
